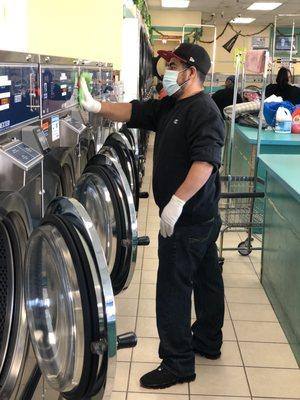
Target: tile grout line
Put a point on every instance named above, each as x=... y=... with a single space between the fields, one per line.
x=139 y=293
x=240 y=351
x=219 y=365
x=137 y=309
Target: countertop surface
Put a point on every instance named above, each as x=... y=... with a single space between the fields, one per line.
x=286 y=168
x=268 y=137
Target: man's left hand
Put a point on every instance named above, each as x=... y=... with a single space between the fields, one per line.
x=170 y=215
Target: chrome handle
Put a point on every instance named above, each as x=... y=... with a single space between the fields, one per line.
x=126 y=340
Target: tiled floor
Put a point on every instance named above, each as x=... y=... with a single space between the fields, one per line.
x=256 y=361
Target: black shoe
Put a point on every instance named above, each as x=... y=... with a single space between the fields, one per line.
x=207 y=355
x=161 y=378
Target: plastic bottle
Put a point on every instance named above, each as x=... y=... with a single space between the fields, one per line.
x=296 y=121
x=283 y=121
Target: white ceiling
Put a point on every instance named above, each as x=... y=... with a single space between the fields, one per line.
x=231 y=9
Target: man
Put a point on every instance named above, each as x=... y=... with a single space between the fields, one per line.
x=224 y=97
x=187 y=155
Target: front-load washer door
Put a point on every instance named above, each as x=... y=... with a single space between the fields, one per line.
x=70 y=304
x=97 y=195
x=15 y=227
x=120 y=208
x=125 y=153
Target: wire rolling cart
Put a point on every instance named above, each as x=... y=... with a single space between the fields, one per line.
x=242 y=197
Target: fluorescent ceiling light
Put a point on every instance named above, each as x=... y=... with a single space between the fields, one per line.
x=175 y=3
x=264 y=6
x=242 y=20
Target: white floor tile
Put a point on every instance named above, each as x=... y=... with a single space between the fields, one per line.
x=146 y=350
x=230 y=356
x=122 y=375
x=220 y=381
x=146 y=327
x=271 y=382
x=277 y=355
x=252 y=312
x=246 y=295
x=268 y=332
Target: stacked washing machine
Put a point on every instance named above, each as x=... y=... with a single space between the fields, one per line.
x=68 y=233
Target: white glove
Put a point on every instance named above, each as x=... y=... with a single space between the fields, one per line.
x=88 y=103
x=170 y=216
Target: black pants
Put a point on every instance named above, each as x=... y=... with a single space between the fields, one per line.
x=188 y=261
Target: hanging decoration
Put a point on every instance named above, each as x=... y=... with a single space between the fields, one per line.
x=228 y=46
x=194 y=36
x=143 y=8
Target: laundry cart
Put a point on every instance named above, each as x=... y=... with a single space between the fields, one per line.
x=242 y=197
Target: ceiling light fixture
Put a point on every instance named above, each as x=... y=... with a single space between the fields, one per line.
x=241 y=20
x=263 y=6
x=175 y=3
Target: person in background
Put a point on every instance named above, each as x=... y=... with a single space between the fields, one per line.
x=186 y=186
x=283 y=87
x=161 y=91
x=224 y=97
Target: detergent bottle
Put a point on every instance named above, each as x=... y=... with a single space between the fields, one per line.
x=296 y=121
x=283 y=121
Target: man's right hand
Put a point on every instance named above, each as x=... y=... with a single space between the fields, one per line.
x=88 y=103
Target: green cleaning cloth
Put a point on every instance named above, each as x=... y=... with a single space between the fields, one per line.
x=89 y=82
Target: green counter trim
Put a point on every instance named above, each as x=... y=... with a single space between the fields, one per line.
x=286 y=168
x=268 y=137
x=172 y=28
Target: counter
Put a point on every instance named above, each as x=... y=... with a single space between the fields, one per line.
x=244 y=148
x=281 y=242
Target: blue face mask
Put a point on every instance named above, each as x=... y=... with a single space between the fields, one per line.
x=170 y=81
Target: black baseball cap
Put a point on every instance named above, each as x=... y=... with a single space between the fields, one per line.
x=191 y=54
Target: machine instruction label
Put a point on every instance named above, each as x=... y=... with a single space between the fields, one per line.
x=55 y=127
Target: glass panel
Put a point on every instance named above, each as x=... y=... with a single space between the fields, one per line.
x=54 y=309
x=19 y=95
x=94 y=195
x=59 y=88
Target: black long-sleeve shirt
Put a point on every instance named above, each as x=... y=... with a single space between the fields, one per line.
x=287 y=92
x=187 y=130
x=224 y=98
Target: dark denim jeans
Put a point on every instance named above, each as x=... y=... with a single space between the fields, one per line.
x=188 y=262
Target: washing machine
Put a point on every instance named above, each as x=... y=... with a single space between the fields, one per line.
x=70 y=304
x=21 y=207
x=59 y=164
x=105 y=193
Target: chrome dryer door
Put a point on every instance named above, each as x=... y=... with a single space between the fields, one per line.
x=15 y=228
x=126 y=158
x=70 y=304
x=105 y=193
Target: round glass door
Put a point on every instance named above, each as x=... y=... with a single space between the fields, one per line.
x=69 y=302
x=121 y=146
x=15 y=226
x=93 y=193
x=55 y=309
